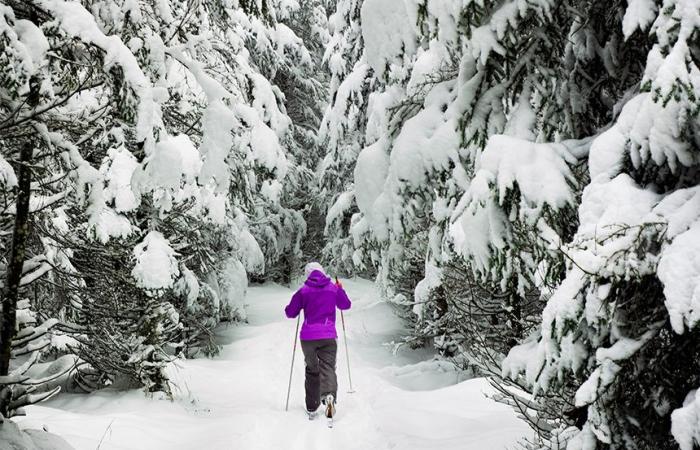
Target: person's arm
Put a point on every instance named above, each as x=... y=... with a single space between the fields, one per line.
x=342 y=301
x=294 y=307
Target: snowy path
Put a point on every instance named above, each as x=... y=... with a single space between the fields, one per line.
x=236 y=401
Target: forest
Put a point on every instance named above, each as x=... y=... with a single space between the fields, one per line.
x=519 y=180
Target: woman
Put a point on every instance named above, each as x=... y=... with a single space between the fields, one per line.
x=319 y=298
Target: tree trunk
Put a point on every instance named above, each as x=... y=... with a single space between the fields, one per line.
x=10 y=292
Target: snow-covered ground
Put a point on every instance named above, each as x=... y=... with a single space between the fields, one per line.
x=236 y=400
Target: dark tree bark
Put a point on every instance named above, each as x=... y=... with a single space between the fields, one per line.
x=10 y=292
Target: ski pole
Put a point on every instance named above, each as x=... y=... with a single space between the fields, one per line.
x=291 y=370
x=347 y=355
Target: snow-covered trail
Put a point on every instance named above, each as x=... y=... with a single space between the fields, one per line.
x=236 y=400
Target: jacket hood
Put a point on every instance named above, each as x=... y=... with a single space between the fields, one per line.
x=317 y=279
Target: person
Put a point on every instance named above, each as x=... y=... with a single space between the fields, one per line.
x=318 y=297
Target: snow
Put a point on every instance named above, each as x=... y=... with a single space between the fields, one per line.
x=232 y=289
x=674 y=28
x=284 y=8
x=685 y=422
x=12 y=437
x=428 y=142
x=606 y=158
x=431 y=281
x=679 y=271
x=378 y=107
x=286 y=39
x=681 y=209
x=447 y=15
x=156 y=266
x=522 y=121
x=173 y=163
x=679 y=265
x=7 y=174
x=427 y=63
x=30 y=277
x=632 y=223
x=187 y=285
x=478 y=231
x=76 y=21
x=265 y=102
x=612 y=214
x=562 y=306
x=639 y=14
x=217 y=140
x=520 y=360
x=106 y=224
x=605 y=210
x=248 y=249
x=370 y=174
x=118 y=177
x=607 y=368
x=215 y=205
x=404 y=401
x=342 y=204
x=342 y=112
x=266 y=149
x=24 y=50
x=486 y=38
x=541 y=171
x=426 y=146
x=387 y=31
x=484 y=42
x=34 y=41
x=271 y=190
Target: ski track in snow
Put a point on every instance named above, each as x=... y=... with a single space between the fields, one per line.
x=236 y=400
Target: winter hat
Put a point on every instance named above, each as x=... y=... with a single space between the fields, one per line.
x=310 y=267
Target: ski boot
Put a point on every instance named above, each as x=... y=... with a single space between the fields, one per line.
x=329 y=401
x=312 y=414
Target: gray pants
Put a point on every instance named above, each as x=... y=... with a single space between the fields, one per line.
x=319 y=357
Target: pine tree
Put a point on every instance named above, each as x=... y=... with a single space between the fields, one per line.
x=615 y=324
x=342 y=133
x=160 y=141
x=482 y=145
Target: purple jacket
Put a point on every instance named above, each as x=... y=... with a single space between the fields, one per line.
x=318 y=297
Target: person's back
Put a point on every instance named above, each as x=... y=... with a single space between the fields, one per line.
x=319 y=298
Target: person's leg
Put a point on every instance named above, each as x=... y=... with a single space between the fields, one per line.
x=312 y=382
x=326 y=355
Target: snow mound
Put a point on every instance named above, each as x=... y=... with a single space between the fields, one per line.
x=12 y=438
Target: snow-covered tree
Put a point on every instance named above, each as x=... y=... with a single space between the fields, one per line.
x=157 y=143
x=484 y=128
x=529 y=89
x=287 y=213
x=342 y=132
x=617 y=334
